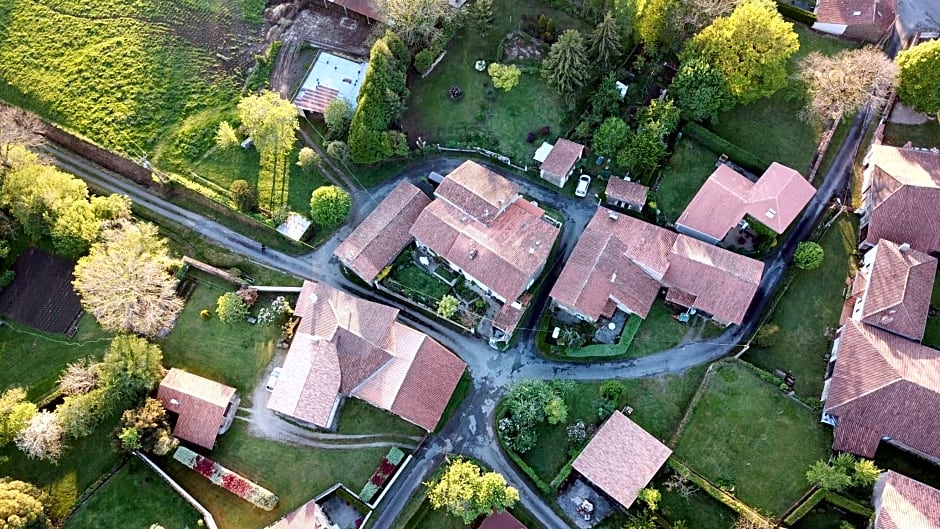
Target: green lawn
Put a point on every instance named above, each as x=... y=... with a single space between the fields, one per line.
x=658 y=403
x=770 y=127
x=359 y=417
x=506 y=117
x=812 y=303
x=418 y=283
x=746 y=432
x=699 y=510
x=687 y=170
x=926 y=135
x=660 y=331
x=134 y=497
x=34 y=359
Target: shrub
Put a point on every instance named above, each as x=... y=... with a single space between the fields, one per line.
x=244 y=195
x=809 y=256
x=339 y=151
x=504 y=76
x=611 y=390
x=308 y=159
x=424 y=59
x=6 y=278
x=336 y=116
x=795 y=13
x=231 y=308
x=447 y=306
x=329 y=206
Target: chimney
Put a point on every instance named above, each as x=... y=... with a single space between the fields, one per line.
x=613 y=277
x=904 y=248
x=472 y=254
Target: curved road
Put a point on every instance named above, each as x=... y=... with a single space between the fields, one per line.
x=470 y=430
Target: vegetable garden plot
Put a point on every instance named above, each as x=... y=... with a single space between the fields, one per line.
x=42 y=296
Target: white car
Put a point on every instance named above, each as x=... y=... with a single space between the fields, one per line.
x=272 y=380
x=584 y=182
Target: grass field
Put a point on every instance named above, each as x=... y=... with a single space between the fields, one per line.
x=771 y=127
x=506 y=117
x=110 y=506
x=811 y=304
x=658 y=403
x=747 y=433
x=926 y=135
x=687 y=170
x=699 y=510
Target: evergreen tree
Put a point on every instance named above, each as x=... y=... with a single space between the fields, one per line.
x=604 y=42
x=566 y=67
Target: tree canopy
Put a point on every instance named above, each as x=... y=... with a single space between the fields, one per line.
x=330 y=205
x=271 y=121
x=920 y=76
x=808 y=256
x=611 y=136
x=566 y=69
x=131 y=367
x=416 y=21
x=231 y=308
x=22 y=506
x=337 y=115
x=466 y=491
x=125 y=281
x=844 y=82
x=750 y=47
x=604 y=42
x=701 y=90
x=15 y=414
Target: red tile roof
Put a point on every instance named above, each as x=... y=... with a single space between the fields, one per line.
x=899 y=284
x=625 y=259
x=200 y=404
x=904 y=503
x=904 y=197
x=307 y=516
x=626 y=191
x=884 y=385
x=349 y=346
x=876 y=12
x=562 y=158
x=502 y=520
x=477 y=192
x=384 y=233
x=505 y=254
x=315 y=100
x=621 y=459
x=775 y=200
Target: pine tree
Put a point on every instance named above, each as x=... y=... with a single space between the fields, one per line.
x=566 y=67
x=604 y=42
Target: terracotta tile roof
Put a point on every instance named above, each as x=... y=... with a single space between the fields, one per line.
x=904 y=503
x=897 y=297
x=884 y=385
x=384 y=233
x=316 y=100
x=508 y=318
x=200 y=405
x=621 y=459
x=680 y=297
x=625 y=259
x=625 y=191
x=876 y=12
x=905 y=197
x=501 y=520
x=505 y=255
x=564 y=155
x=307 y=516
x=349 y=346
x=775 y=200
x=477 y=192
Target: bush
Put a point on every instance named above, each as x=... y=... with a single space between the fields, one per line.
x=809 y=256
x=205 y=314
x=611 y=390
x=330 y=206
x=231 y=308
x=424 y=59
x=720 y=145
x=244 y=195
x=339 y=151
x=336 y=116
x=308 y=159
x=795 y=13
x=6 y=278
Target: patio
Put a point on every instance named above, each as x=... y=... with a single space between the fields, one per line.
x=572 y=501
x=342 y=513
x=609 y=329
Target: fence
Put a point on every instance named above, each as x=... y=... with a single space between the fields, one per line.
x=484 y=152
x=206 y=515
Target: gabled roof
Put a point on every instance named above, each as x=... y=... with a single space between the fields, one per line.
x=884 y=385
x=621 y=459
x=726 y=197
x=904 y=193
x=307 y=516
x=626 y=191
x=349 y=346
x=625 y=259
x=384 y=233
x=501 y=520
x=504 y=254
x=200 y=404
x=477 y=192
x=876 y=12
x=897 y=297
x=562 y=158
x=904 y=503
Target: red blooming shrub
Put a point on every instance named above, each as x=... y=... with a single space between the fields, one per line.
x=205 y=467
x=386 y=467
x=238 y=486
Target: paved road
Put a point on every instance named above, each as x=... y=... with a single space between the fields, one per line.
x=470 y=431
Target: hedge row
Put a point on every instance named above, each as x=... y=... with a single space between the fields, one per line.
x=563 y=474
x=720 y=145
x=713 y=491
x=850 y=505
x=795 y=13
x=526 y=469
x=801 y=511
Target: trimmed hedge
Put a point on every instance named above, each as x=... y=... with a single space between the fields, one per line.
x=804 y=508
x=850 y=505
x=716 y=143
x=713 y=491
x=563 y=474
x=795 y=13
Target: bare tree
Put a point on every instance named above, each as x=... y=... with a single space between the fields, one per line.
x=415 y=21
x=846 y=81
x=125 y=280
x=79 y=377
x=17 y=127
x=694 y=15
x=42 y=437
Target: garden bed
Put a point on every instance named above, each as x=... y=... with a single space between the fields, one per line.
x=383 y=473
x=227 y=479
x=41 y=295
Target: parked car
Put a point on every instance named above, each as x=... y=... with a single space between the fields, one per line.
x=272 y=380
x=584 y=182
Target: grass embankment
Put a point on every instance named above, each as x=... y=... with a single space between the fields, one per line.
x=746 y=433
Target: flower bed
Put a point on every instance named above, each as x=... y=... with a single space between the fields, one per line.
x=225 y=478
x=382 y=474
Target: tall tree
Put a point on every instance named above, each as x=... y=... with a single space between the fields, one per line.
x=480 y=14
x=125 y=280
x=271 y=121
x=920 y=76
x=467 y=492
x=611 y=136
x=701 y=90
x=330 y=205
x=22 y=506
x=566 y=67
x=604 y=42
x=654 y=23
x=416 y=21
x=42 y=438
x=337 y=116
x=131 y=368
x=694 y=15
x=225 y=136
x=147 y=428
x=844 y=82
x=15 y=413
x=750 y=47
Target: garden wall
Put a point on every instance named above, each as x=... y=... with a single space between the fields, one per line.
x=105 y=158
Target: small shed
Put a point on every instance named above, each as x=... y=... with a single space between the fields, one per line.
x=542 y=152
x=204 y=408
x=623 y=193
x=559 y=164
